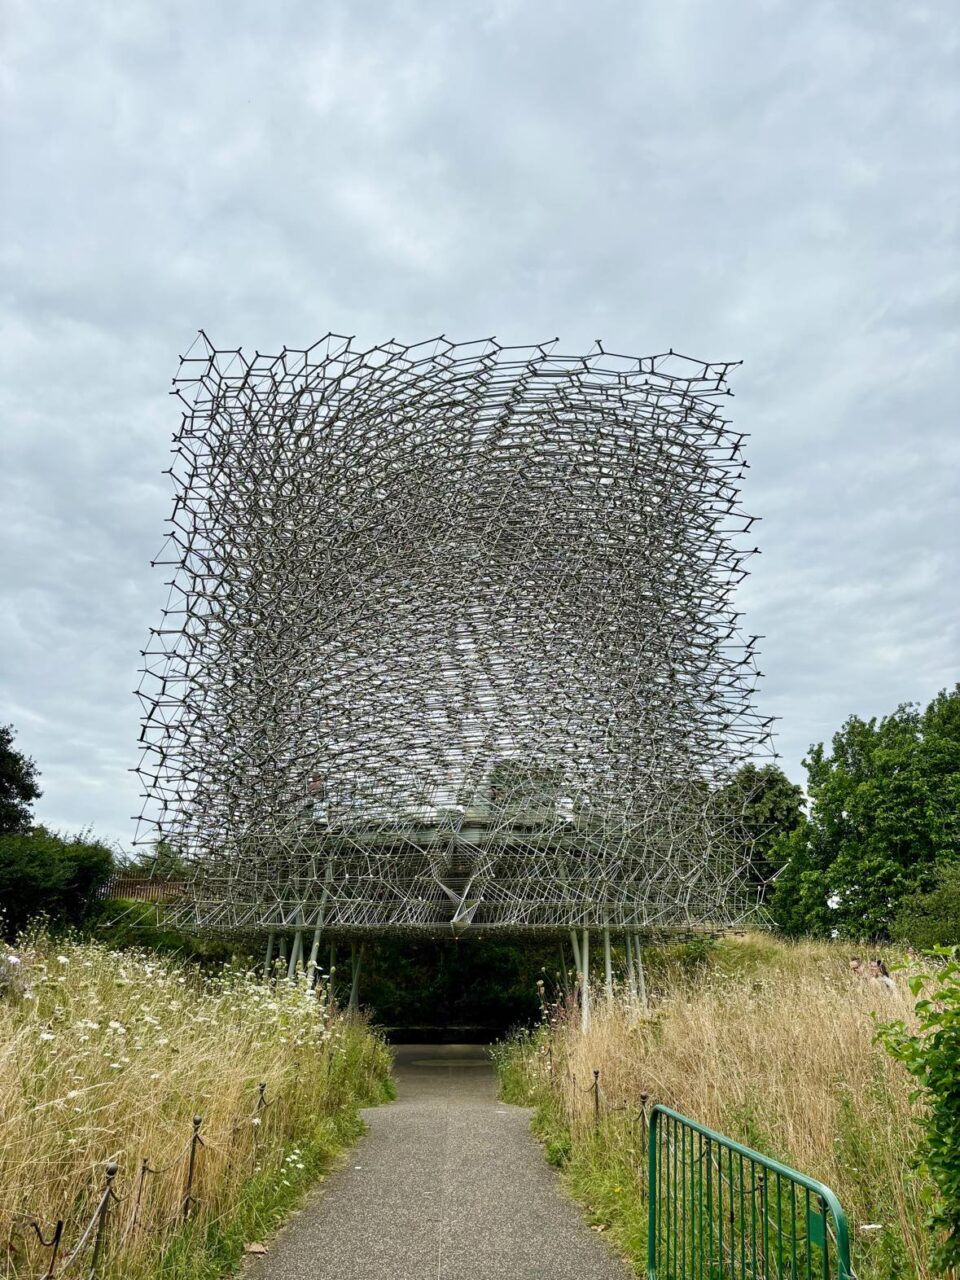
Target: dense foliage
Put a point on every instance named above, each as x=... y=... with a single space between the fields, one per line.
x=44 y=874
x=18 y=784
x=932 y=1055
x=884 y=822
x=764 y=806
x=931 y=919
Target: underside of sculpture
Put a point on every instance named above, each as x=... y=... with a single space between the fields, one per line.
x=451 y=641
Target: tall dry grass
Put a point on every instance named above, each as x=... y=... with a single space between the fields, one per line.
x=772 y=1045
x=107 y=1056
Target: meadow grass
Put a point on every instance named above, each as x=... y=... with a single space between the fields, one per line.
x=769 y=1043
x=108 y=1056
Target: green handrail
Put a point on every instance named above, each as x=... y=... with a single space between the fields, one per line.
x=721 y=1211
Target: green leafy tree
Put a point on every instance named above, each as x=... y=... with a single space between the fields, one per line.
x=18 y=784
x=761 y=806
x=162 y=860
x=884 y=821
x=42 y=873
x=931 y=919
x=932 y=1056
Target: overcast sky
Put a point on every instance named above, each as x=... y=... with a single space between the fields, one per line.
x=771 y=180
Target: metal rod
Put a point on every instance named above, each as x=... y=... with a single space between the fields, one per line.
x=195 y=1142
x=641 y=980
x=607 y=965
x=102 y=1213
x=312 y=962
x=575 y=943
x=585 y=982
x=271 y=937
x=296 y=954
x=356 y=959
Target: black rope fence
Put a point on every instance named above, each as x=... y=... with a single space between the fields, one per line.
x=37 y=1250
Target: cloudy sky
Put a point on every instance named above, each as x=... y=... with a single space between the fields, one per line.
x=771 y=180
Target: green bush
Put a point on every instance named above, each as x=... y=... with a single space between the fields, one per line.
x=932 y=1056
x=44 y=874
x=928 y=920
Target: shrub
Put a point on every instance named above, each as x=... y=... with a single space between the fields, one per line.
x=932 y=1055
x=928 y=920
x=44 y=874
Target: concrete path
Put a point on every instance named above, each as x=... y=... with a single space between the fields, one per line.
x=447 y=1185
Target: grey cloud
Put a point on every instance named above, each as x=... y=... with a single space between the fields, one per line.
x=771 y=181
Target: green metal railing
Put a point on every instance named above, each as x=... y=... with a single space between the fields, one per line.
x=719 y=1211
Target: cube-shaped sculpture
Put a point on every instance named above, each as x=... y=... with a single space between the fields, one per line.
x=451 y=641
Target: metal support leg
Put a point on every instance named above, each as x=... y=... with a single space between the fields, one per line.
x=564 y=984
x=575 y=943
x=631 y=971
x=283 y=950
x=641 y=980
x=585 y=981
x=607 y=965
x=271 y=937
x=356 y=959
x=312 y=962
x=296 y=954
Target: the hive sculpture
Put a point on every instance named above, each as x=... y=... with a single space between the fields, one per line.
x=451 y=641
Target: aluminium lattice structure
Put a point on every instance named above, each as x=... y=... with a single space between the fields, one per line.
x=451 y=641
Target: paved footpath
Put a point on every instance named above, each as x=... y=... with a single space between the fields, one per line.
x=448 y=1184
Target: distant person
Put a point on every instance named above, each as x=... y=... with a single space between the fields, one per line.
x=880 y=974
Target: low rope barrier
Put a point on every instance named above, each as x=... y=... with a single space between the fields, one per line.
x=100 y=1245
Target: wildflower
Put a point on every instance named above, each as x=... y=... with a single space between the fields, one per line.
x=47 y=1035
x=62 y=960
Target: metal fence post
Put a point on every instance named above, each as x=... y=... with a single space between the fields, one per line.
x=258 y=1119
x=195 y=1141
x=596 y=1100
x=53 y=1244
x=103 y=1210
x=652 y=1174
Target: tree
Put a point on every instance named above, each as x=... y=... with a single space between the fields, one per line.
x=18 y=784
x=884 y=822
x=931 y=919
x=761 y=806
x=162 y=860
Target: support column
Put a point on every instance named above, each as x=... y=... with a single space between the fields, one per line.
x=356 y=959
x=312 y=962
x=283 y=949
x=607 y=964
x=271 y=936
x=631 y=971
x=564 y=984
x=585 y=981
x=575 y=943
x=296 y=954
x=641 y=980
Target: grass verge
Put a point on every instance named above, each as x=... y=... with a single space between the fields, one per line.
x=772 y=1044
x=107 y=1057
